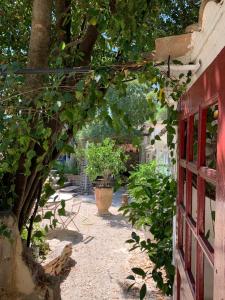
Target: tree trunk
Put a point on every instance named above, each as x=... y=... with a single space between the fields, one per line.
x=37 y=57
x=40 y=40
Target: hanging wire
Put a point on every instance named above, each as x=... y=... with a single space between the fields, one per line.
x=134 y=65
x=36 y=71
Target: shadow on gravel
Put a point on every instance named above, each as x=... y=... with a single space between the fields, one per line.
x=88 y=239
x=117 y=221
x=65 y=235
x=132 y=293
x=67 y=268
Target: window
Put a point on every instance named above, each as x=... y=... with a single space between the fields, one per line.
x=197 y=198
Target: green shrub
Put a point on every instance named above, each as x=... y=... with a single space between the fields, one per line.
x=105 y=160
x=153 y=196
x=63 y=168
x=38 y=239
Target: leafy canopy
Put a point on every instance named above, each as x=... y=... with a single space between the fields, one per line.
x=127 y=117
x=40 y=114
x=104 y=160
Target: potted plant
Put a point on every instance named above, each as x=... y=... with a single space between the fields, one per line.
x=105 y=162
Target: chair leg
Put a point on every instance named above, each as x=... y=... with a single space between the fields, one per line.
x=71 y=221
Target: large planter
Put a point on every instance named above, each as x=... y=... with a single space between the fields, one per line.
x=103 y=198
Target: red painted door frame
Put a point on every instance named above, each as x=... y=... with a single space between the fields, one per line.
x=209 y=89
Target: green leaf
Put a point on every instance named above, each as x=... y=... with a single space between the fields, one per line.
x=68 y=149
x=135 y=237
x=38 y=234
x=31 y=154
x=63 y=203
x=37 y=218
x=67 y=116
x=143 y=291
x=79 y=95
x=59 y=61
x=130 y=241
x=139 y=272
x=48 y=215
x=54 y=222
x=93 y=21
x=131 y=277
x=61 y=212
x=63 y=46
x=207 y=234
x=61 y=181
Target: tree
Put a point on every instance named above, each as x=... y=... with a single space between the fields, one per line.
x=125 y=121
x=39 y=114
x=178 y=12
x=105 y=160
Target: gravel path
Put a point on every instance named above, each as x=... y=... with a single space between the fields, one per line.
x=100 y=260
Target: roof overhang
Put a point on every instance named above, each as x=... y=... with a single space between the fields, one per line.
x=198 y=47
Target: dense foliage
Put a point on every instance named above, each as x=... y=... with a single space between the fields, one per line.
x=129 y=113
x=105 y=160
x=147 y=20
x=178 y=12
x=153 y=196
x=63 y=168
x=39 y=114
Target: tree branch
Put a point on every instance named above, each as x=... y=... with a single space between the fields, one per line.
x=63 y=22
x=112 y=6
x=29 y=202
x=30 y=229
x=87 y=44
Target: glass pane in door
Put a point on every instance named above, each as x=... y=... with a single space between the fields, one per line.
x=208 y=280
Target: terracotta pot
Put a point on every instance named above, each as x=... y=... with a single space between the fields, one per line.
x=103 y=198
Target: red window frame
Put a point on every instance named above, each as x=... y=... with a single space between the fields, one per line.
x=196 y=229
x=208 y=90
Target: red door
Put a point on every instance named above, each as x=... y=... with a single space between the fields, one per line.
x=200 y=254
